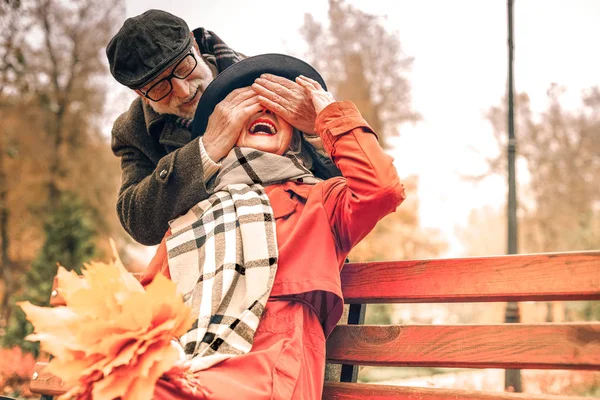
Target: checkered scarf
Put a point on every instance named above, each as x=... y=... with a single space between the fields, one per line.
x=212 y=46
x=223 y=254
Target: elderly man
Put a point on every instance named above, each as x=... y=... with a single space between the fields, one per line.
x=165 y=167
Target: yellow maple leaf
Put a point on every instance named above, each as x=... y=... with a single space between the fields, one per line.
x=112 y=339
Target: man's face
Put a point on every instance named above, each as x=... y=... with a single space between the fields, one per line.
x=267 y=132
x=185 y=95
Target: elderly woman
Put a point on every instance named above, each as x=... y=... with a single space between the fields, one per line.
x=259 y=261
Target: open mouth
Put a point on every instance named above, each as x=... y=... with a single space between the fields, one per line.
x=262 y=127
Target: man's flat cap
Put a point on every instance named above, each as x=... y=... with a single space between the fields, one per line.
x=145 y=46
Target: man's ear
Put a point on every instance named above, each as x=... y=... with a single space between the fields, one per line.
x=194 y=43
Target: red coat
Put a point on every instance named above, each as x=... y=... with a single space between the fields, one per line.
x=317 y=226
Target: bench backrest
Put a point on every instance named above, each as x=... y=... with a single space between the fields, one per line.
x=540 y=277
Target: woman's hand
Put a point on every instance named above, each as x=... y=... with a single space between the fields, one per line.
x=320 y=98
x=287 y=99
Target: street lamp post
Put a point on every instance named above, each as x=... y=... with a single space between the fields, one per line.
x=512 y=377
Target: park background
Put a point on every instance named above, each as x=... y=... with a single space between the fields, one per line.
x=430 y=76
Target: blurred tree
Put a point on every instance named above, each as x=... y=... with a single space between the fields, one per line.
x=378 y=314
x=484 y=232
x=363 y=63
x=69 y=240
x=560 y=207
x=12 y=65
x=52 y=92
x=67 y=69
x=399 y=236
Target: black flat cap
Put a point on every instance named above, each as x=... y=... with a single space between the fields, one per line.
x=242 y=74
x=145 y=46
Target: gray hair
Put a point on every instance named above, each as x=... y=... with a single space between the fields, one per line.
x=310 y=151
x=299 y=150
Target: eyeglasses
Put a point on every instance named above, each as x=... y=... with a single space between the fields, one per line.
x=181 y=70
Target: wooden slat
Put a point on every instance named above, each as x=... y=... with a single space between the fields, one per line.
x=540 y=346
x=49 y=385
x=553 y=276
x=361 y=391
x=45 y=383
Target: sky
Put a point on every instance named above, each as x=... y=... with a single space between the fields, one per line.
x=459 y=72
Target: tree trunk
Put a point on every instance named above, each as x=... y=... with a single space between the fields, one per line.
x=7 y=265
x=55 y=163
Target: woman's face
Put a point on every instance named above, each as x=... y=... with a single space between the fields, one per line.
x=267 y=132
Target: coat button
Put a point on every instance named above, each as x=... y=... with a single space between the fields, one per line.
x=163 y=174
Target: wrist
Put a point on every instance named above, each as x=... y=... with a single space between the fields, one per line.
x=310 y=130
x=213 y=152
x=209 y=166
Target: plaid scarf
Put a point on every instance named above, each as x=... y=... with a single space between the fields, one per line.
x=212 y=47
x=223 y=254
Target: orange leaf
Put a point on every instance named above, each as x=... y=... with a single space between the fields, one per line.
x=112 y=338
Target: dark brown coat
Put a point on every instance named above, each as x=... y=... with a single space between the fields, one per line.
x=162 y=175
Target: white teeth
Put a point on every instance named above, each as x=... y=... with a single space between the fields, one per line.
x=271 y=127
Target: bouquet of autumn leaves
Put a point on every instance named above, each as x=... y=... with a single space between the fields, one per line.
x=113 y=337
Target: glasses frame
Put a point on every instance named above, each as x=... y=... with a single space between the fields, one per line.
x=171 y=76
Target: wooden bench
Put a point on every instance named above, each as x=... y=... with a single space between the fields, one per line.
x=538 y=277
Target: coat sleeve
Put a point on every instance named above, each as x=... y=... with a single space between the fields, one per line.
x=370 y=188
x=153 y=193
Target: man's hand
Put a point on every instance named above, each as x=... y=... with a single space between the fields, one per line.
x=286 y=99
x=320 y=98
x=227 y=120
